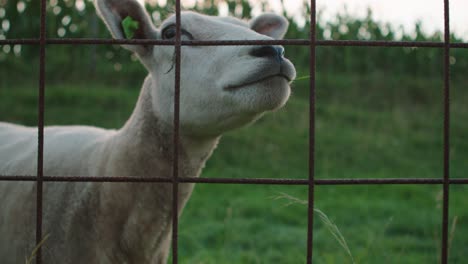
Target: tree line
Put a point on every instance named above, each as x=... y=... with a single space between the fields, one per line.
x=77 y=19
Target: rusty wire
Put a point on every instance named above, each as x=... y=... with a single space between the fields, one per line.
x=312 y=101
x=312 y=43
x=175 y=176
x=260 y=181
x=287 y=42
x=446 y=183
x=40 y=125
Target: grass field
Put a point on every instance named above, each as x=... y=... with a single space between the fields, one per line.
x=372 y=126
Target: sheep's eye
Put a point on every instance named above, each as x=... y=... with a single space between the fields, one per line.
x=169 y=32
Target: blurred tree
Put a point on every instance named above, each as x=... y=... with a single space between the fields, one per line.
x=77 y=19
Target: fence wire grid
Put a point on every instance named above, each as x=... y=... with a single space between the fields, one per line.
x=311 y=182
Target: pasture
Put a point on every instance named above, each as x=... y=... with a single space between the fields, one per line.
x=368 y=126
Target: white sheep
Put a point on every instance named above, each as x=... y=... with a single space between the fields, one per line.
x=222 y=88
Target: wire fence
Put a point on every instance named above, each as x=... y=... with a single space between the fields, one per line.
x=311 y=182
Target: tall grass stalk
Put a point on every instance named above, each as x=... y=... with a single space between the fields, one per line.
x=452 y=231
x=332 y=227
x=36 y=249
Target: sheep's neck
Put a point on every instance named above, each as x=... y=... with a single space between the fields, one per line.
x=143 y=211
x=149 y=144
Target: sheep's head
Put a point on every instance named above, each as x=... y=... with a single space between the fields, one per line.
x=221 y=87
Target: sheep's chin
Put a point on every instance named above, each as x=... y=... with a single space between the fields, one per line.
x=267 y=95
x=254 y=82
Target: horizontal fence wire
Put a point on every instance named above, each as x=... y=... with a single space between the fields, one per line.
x=175 y=180
x=286 y=42
x=274 y=181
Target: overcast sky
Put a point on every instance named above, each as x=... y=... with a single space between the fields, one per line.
x=405 y=12
x=397 y=12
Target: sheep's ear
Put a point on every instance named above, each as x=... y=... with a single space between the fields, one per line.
x=113 y=12
x=269 y=24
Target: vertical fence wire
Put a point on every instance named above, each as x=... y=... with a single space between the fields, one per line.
x=40 y=127
x=446 y=134
x=175 y=180
x=312 y=100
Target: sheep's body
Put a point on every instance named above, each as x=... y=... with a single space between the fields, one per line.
x=95 y=222
x=131 y=223
x=65 y=145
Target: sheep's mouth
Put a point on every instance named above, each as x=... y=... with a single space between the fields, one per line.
x=237 y=86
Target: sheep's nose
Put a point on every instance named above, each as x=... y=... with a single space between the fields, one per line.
x=268 y=51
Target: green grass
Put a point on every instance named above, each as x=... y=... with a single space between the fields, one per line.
x=33 y=255
x=366 y=127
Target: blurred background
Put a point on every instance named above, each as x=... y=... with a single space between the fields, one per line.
x=379 y=114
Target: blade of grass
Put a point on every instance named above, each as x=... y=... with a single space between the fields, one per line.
x=452 y=231
x=302 y=78
x=34 y=252
x=332 y=227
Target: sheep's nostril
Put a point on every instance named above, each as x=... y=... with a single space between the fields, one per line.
x=280 y=51
x=268 y=51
